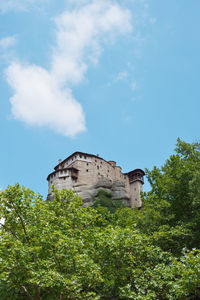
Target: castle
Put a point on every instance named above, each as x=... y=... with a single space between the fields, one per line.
x=86 y=173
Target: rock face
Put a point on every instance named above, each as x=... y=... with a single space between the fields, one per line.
x=86 y=174
x=88 y=193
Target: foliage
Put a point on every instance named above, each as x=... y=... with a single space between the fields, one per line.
x=60 y=250
x=171 y=210
x=104 y=199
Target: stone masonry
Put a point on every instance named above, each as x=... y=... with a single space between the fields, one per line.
x=86 y=174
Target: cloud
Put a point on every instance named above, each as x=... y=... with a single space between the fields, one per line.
x=134 y=86
x=121 y=76
x=44 y=97
x=39 y=100
x=80 y=34
x=19 y=5
x=8 y=42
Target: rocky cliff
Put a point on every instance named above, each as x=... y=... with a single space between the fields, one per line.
x=88 y=193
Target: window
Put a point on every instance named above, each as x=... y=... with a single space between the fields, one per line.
x=108 y=171
x=75 y=156
x=95 y=160
x=97 y=167
x=87 y=170
x=80 y=156
x=85 y=157
x=87 y=164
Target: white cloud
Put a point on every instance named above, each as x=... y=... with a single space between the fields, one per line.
x=8 y=42
x=80 y=34
x=134 y=86
x=39 y=100
x=19 y=5
x=44 y=97
x=121 y=76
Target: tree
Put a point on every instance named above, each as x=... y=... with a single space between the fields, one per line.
x=60 y=250
x=171 y=210
x=43 y=250
x=104 y=199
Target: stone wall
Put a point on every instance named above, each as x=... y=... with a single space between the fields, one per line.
x=94 y=173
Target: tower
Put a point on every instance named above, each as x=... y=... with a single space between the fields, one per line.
x=136 y=182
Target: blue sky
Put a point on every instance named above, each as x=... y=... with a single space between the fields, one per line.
x=117 y=78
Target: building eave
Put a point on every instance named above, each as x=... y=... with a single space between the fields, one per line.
x=76 y=153
x=135 y=171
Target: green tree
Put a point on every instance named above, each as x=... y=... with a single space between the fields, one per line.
x=171 y=210
x=44 y=246
x=60 y=250
x=104 y=199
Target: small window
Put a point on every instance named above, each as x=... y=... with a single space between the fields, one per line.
x=95 y=160
x=85 y=157
x=98 y=173
x=80 y=156
x=87 y=164
x=87 y=170
x=75 y=156
x=108 y=171
x=97 y=167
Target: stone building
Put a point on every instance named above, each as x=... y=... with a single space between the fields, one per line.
x=86 y=173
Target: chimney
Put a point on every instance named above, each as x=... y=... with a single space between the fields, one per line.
x=60 y=160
